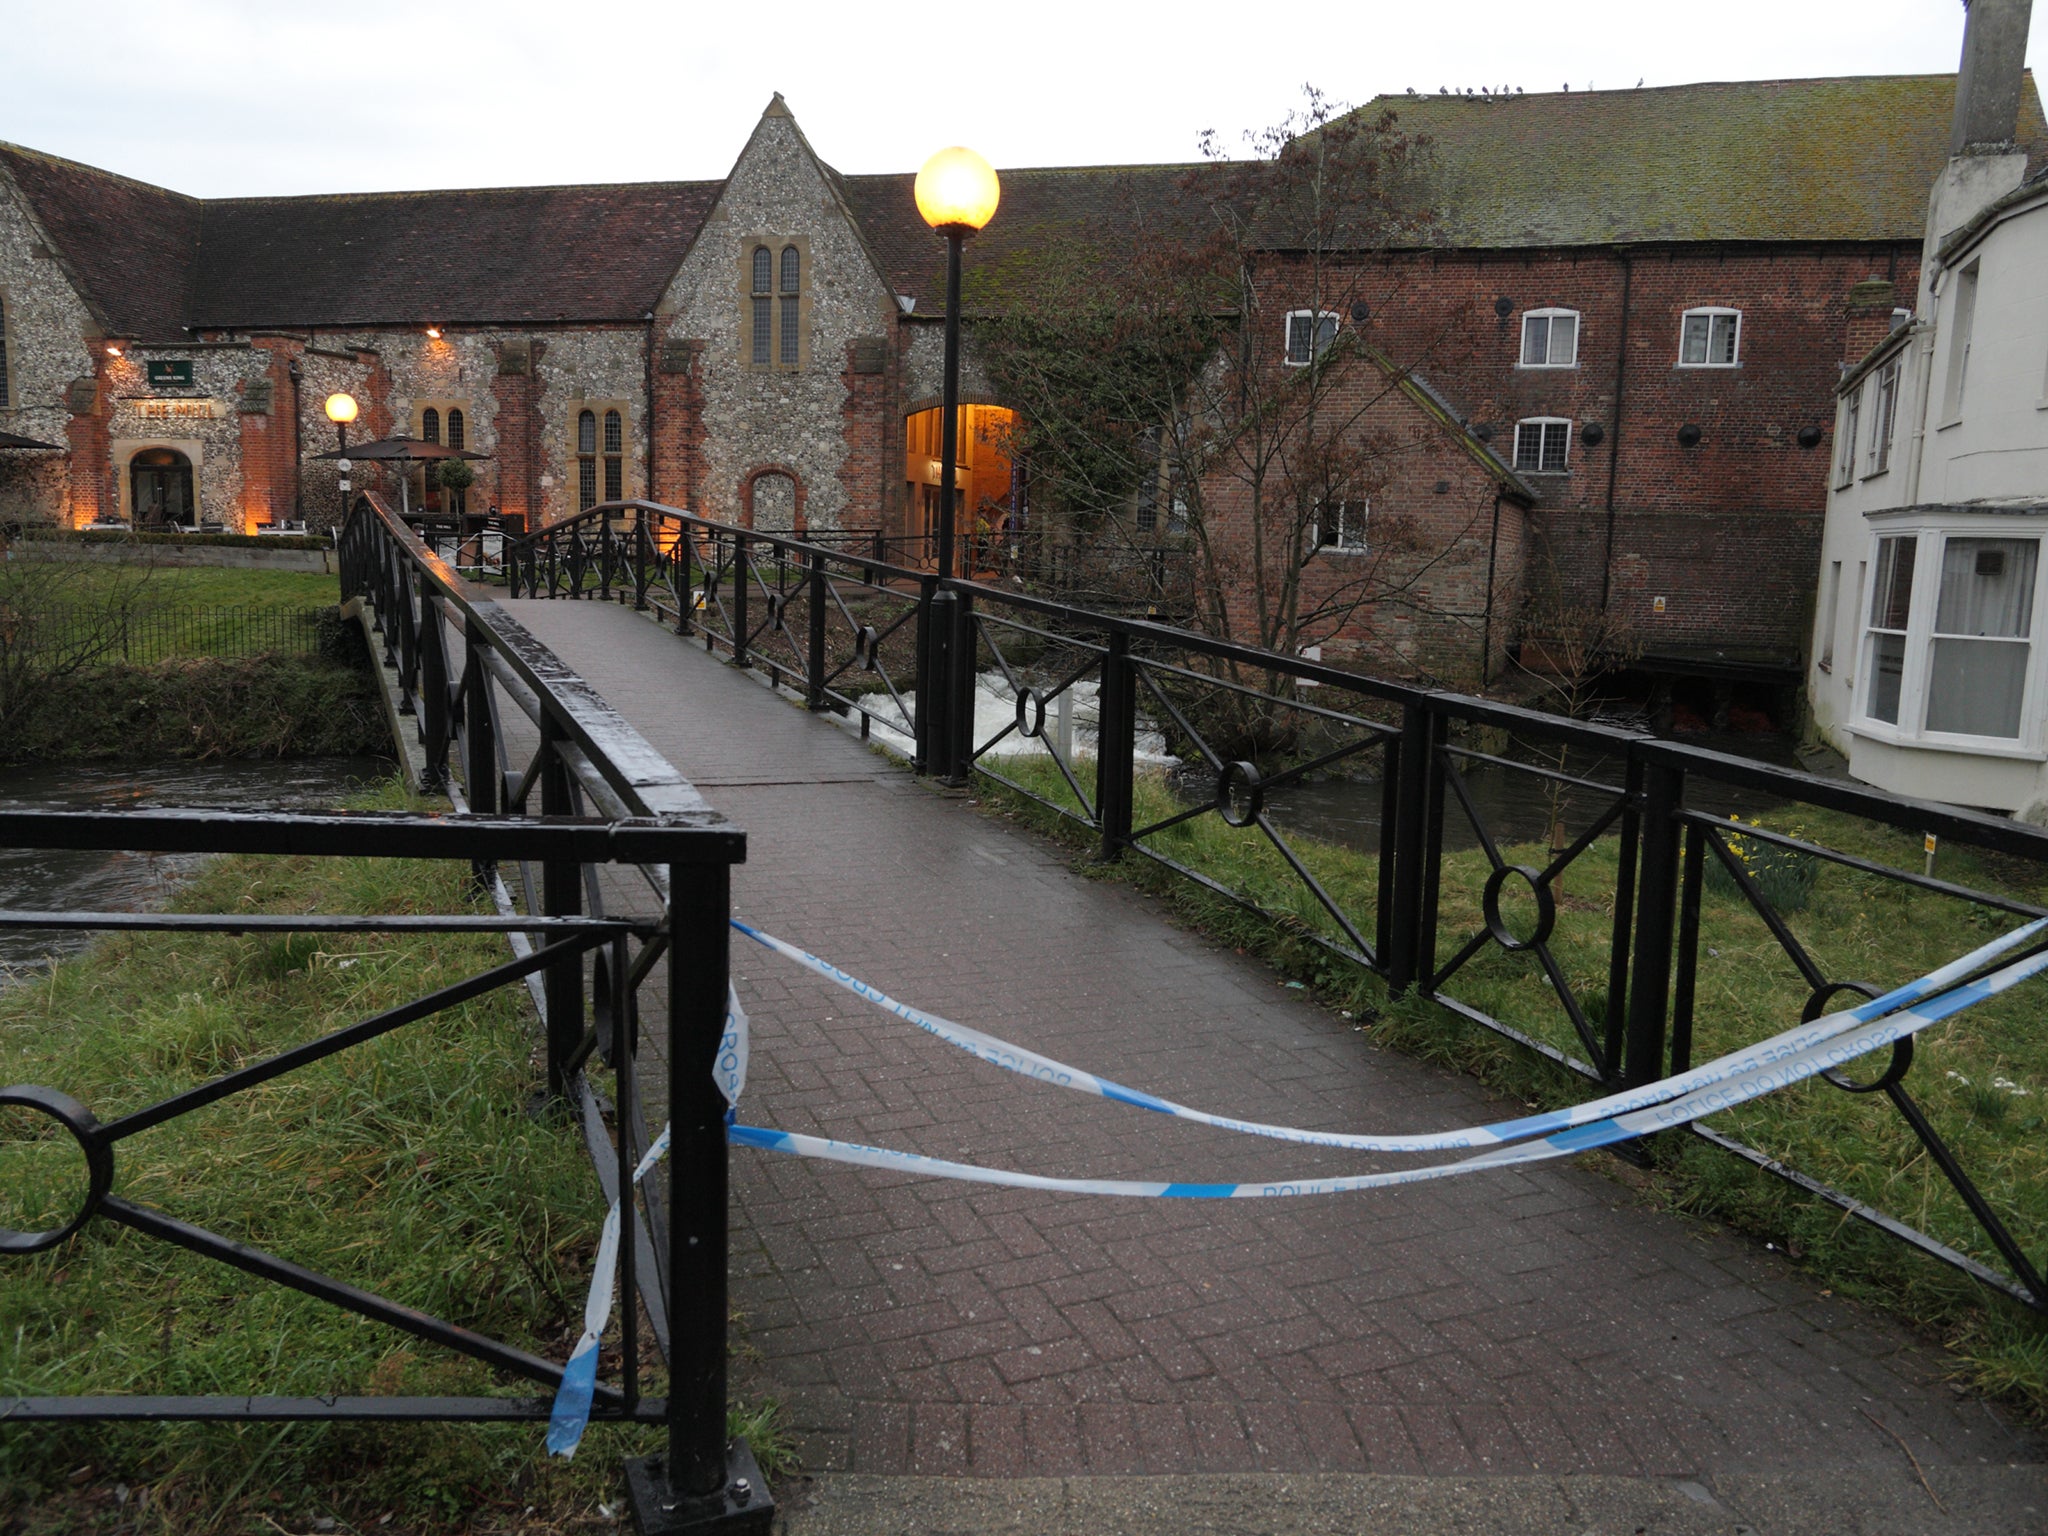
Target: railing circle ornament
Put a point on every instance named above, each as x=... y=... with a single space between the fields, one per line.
x=775 y=605
x=1902 y=1048
x=1030 y=714
x=1496 y=923
x=867 y=649
x=1233 y=777
x=99 y=1162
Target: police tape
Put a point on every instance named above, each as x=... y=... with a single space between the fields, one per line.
x=1041 y=1068
x=1794 y=1067
x=571 y=1413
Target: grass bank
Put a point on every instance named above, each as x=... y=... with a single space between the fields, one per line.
x=1981 y=1078
x=202 y=708
x=414 y=1166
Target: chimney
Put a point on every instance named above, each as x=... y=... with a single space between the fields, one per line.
x=1988 y=83
x=1867 y=317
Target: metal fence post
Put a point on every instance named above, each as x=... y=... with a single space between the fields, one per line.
x=1623 y=936
x=1401 y=844
x=741 y=580
x=479 y=743
x=1656 y=899
x=703 y=1482
x=640 y=554
x=1116 y=732
x=935 y=694
x=960 y=664
x=434 y=722
x=814 y=671
x=561 y=885
x=927 y=670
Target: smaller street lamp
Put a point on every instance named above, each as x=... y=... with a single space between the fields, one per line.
x=341 y=410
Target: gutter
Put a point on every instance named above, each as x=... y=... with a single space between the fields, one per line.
x=1614 y=441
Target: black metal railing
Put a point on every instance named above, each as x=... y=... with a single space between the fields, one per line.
x=558 y=800
x=1537 y=876
x=146 y=634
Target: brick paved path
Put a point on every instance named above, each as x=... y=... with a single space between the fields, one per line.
x=1506 y=1322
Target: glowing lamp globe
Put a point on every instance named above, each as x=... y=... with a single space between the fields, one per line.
x=957 y=188
x=341 y=409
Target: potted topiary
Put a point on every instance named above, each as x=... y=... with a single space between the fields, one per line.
x=455 y=477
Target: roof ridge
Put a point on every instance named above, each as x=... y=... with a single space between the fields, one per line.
x=403 y=192
x=1645 y=90
x=94 y=170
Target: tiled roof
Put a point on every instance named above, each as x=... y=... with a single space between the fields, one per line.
x=1833 y=159
x=155 y=263
x=128 y=245
x=511 y=254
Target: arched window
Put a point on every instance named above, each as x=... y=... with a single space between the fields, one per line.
x=764 y=305
x=457 y=437
x=430 y=425
x=586 y=460
x=614 y=456
x=792 y=284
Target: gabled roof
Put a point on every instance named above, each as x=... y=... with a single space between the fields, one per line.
x=153 y=264
x=513 y=254
x=1832 y=159
x=128 y=246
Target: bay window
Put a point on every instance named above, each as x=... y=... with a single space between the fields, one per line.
x=1949 y=634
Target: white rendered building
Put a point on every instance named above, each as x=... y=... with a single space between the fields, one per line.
x=1929 y=667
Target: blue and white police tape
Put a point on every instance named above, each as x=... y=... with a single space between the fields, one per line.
x=571 y=1413
x=1767 y=1078
x=579 y=1377
x=1031 y=1064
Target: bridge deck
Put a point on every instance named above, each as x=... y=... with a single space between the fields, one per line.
x=1503 y=1323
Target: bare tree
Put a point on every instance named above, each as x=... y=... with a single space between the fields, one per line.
x=1212 y=380
x=61 y=612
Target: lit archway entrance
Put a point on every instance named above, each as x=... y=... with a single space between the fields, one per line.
x=988 y=508
x=160 y=489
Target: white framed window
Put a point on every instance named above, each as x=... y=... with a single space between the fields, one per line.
x=1309 y=332
x=1550 y=338
x=1833 y=612
x=1339 y=527
x=1845 y=439
x=1962 y=320
x=1883 y=417
x=1543 y=445
x=1950 y=634
x=1710 y=337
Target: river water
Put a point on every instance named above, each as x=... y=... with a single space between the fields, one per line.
x=92 y=881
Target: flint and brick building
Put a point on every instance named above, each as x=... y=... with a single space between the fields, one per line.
x=1626 y=324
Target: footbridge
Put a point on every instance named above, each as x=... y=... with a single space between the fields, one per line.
x=983 y=1206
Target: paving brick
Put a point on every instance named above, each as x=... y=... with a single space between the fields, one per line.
x=1472 y=1326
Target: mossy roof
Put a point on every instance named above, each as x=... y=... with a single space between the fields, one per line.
x=1849 y=158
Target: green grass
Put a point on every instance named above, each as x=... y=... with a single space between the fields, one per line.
x=214 y=586
x=1981 y=1078
x=413 y=1166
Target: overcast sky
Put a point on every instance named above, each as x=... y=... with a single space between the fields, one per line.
x=246 y=97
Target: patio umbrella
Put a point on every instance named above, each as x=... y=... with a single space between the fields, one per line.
x=405 y=451
x=9 y=440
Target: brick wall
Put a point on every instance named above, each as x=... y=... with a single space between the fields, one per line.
x=1727 y=530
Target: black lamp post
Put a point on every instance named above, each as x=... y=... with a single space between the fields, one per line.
x=957 y=192
x=341 y=410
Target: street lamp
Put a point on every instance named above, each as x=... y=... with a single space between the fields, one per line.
x=341 y=410
x=957 y=193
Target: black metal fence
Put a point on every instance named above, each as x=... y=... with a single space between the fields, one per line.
x=1542 y=878
x=123 y=636
x=555 y=802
